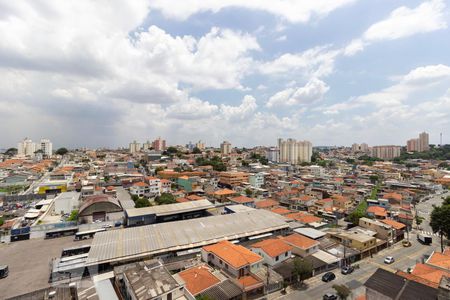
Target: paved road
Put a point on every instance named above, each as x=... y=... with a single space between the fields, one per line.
x=424 y=209
x=405 y=257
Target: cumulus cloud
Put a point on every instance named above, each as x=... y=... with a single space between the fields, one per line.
x=313 y=91
x=401 y=23
x=294 y=11
x=314 y=62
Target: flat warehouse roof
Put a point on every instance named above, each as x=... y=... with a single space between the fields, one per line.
x=169 y=209
x=136 y=242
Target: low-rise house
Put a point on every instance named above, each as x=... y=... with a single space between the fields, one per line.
x=399 y=228
x=198 y=279
x=366 y=244
x=235 y=260
x=301 y=245
x=243 y=200
x=140 y=189
x=166 y=186
x=376 y=212
x=384 y=231
x=266 y=204
x=274 y=251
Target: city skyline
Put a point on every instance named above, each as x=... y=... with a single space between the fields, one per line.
x=248 y=73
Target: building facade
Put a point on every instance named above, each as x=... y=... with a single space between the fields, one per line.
x=225 y=148
x=294 y=152
x=159 y=144
x=386 y=152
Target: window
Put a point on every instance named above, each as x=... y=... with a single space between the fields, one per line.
x=277 y=258
x=286 y=254
x=365 y=244
x=220 y=261
x=226 y=266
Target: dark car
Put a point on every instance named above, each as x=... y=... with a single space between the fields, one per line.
x=329 y=296
x=347 y=270
x=4 y=271
x=328 y=276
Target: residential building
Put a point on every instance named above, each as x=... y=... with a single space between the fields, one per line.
x=274 y=251
x=386 y=152
x=225 y=148
x=235 y=260
x=26 y=148
x=198 y=279
x=366 y=244
x=360 y=148
x=165 y=185
x=154 y=186
x=140 y=189
x=46 y=147
x=232 y=178
x=384 y=231
x=273 y=154
x=419 y=144
x=256 y=180
x=146 y=146
x=200 y=145
x=159 y=144
x=246 y=201
x=135 y=147
x=294 y=152
x=301 y=245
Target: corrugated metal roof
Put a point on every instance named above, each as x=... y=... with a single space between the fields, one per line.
x=169 y=209
x=121 y=244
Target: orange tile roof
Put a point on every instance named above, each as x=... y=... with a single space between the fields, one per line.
x=395 y=196
x=194 y=198
x=140 y=184
x=235 y=255
x=300 y=241
x=429 y=273
x=417 y=279
x=198 y=279
x=394 y=224
x=224 y=192
x=377 y=210
x=266 y=203
x=242 y=199
x=441 y=260
x=181 y=199
x=303 y=217
x=281 y=210
x=247 y=281
x=273 y=247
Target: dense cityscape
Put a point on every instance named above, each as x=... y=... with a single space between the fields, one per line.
x=290 y=221
x=225 y=150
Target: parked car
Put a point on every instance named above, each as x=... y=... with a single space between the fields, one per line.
x=4 y=271
x=328 y=276
x=329 y=296
x=389 y=260
x=347 y=270
x=106 y=226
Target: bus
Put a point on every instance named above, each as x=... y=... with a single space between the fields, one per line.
x=56 y=233
x=75 y=250
x=84 y=235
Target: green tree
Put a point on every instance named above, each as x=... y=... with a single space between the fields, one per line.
x=142 y=202
x=61 y=151
x=419 y=220
x=196 y=150
x=440 y=222
x=73 y=216
x=302 y=269
x=342 y=291
x=203 y=297
x=158 y=169
x=248 y=192
x=134 y=198
x=1 y=221
x=165 y=198
x=172 y=150
x=11 y=151
x=373 y=179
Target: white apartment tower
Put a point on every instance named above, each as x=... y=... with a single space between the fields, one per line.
x=225 y=148
x=424 y=142
x=292 y=151
x=26 y=148
x=46 y=146
x=135 y=147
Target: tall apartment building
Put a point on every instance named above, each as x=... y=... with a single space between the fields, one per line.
x=225 y=148
x=360 y=148
x=420 y=144
x=28 y=148
x=146 y=146
x=272 y=154
x=46 y=146
x=159 y=144
x=292 y=151
x=135 y=147
x=386 y=152
x=424 y=142
x=200 y=145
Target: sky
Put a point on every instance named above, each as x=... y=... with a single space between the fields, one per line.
x=335 y=72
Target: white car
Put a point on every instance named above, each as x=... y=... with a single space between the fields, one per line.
x=106 y=226
x=389 y=260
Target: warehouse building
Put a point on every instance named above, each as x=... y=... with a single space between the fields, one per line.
x=132 y=244
x=167 y=213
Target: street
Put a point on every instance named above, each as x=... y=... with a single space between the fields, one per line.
x=404 y=258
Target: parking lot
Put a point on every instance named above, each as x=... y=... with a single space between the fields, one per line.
x=29 y=263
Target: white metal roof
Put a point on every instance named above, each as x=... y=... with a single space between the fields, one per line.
x=169 y=209
x=135 y=242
